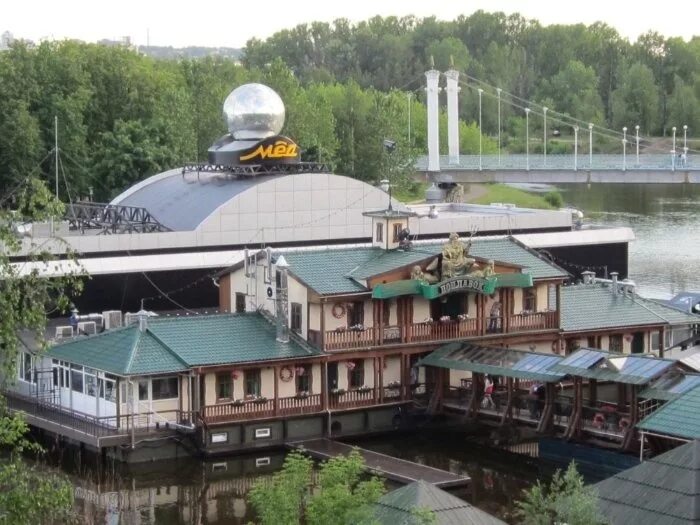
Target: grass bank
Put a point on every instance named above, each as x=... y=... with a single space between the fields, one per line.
x=508 y=194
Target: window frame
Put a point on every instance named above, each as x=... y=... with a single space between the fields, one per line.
x=379 y=232
x=169 y=391
x=530 y=295
x=396 y=230
x=239 y=302
x=252 y=376
x=618 y=338
x=304 y=382
x=355 y=311
x=356 y=376
x=295 y=317
x=224 y=379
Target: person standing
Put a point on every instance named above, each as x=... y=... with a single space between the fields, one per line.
x=495 y=317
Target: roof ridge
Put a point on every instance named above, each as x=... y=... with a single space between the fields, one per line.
x=167 y=348
x=132 y=351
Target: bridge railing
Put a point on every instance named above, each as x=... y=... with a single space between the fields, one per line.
x=599 y=161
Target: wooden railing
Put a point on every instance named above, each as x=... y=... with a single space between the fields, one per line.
x=353 y=398
x=439 y=330
x=346 y=339
x=258 y=409
x=533 y=321
x=351 y=338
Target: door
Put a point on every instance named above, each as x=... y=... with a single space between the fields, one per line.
x=332 y=375
x=638 y=343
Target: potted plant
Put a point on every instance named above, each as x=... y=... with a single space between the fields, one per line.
x=364 y=389
x=260 y=400
x=237 y=403
x=338 y=392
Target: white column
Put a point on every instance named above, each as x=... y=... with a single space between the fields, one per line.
x=433 y=78
x=453 y=89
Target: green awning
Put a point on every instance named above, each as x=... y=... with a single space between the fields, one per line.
x=464 y=283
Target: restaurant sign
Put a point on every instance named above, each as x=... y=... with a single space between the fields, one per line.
x=462 y=283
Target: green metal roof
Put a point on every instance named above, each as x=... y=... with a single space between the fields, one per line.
x=124 y=351
x=594 y=306
x=631 y=369
x=337 y=271
x=495 y=361
x=398 y=507
x=678 y=418
x=664 y=490
x=180 y=343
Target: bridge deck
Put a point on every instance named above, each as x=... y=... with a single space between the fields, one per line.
x=389 y=467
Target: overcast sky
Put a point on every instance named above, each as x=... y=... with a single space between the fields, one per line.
x=231 y=24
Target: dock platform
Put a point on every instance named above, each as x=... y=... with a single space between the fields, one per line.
x=388 y=467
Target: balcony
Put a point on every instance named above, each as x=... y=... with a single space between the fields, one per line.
x=261 y=408
x=434 y=331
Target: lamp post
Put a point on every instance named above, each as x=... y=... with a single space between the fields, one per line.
x=624 y=148
x=673 y=151
x=575 y=148
x=409 y=118
x=637 y=137
x=544 y=134
x=590 y=145
x=481 y=92
x=498 y=90
x=685 y=144
x=527 y=139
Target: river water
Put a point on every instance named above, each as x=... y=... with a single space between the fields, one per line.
x=663 y=261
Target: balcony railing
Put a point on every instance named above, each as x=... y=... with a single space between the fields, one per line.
x=261 y=408
x=347 y=339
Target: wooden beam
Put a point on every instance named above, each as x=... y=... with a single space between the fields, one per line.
x=276 y=370
x=507 y=416
x=545 y=423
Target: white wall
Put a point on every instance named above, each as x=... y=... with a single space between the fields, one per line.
x=392 y=372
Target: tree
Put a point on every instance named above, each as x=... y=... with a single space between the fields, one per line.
x=636 y=101
x=337 y=496
x=28 y=495
x=565 y=500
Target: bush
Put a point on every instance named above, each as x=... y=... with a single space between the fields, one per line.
x=554 y=199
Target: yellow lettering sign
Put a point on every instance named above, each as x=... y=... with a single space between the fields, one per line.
x=279 y=150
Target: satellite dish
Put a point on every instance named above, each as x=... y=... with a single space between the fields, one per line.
x=696 y=308
x=404 y=234
x=269 y=291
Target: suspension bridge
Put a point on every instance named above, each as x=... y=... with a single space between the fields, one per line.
x=640 y=160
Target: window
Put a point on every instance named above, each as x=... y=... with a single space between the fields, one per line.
x=76 y=378
x=356 y=313
x=252 y=382
x=164 y=388
x=529 y=300
x=380 y=232
x=356 y=374
x=240 y=302
x=593 y=341
x=615 y=343
x=143 y=390
x=224 y=386
x=91 y=385
x=296 y=317
x=655 y=338
x=397 y=231
x=108 y=389
x=25 y=367
x=386 y=312
x=302 y=377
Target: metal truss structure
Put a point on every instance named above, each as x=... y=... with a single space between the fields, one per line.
x=110 y=219
x=253 y=170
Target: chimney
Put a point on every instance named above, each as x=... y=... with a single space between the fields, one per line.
x=433 y=79
x=613 y=276
x=588 y=277
x=452 y=77
x=282 y=321
x=142 y=316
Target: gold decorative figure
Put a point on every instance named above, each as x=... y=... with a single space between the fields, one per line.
x=454 y=257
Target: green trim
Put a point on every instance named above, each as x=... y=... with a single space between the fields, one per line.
x=485 y=286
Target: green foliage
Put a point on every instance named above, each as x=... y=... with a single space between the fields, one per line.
x=337 y=496
x=565 y=500
x=29 y=493
x=554 y=199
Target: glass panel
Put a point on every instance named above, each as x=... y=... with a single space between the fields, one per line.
x=143 y=390
x=303 y=379
x=252 y=382
x=109 y=390
x=90 y=385
x=224 y=386
x=164 y=388
x=76 y=381
x=27 y=368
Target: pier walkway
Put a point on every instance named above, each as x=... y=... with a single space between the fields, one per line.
x=389 y=467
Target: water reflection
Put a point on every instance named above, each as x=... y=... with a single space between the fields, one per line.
x=191 y=492
x=664 y=259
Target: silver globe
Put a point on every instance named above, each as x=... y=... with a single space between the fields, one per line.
x=253 y=111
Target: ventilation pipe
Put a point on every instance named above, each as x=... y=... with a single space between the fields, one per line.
x=613 y=278
x=453 y=89
x=432 y=89
x=588 y=277
x=282 y=321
